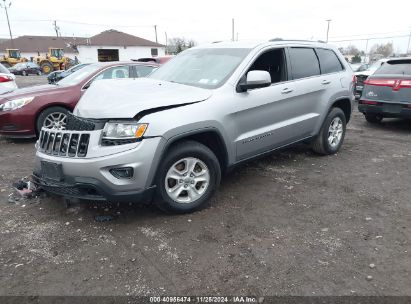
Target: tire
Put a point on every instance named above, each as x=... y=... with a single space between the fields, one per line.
x=50 y=112
x=24 y=73
x=373 y=118
x=39 y=73
x=322 y=144
x=46 y=67
x=206 y=167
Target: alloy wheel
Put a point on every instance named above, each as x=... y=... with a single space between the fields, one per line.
x=55 y=121
x=187 y=180
x=335 y=132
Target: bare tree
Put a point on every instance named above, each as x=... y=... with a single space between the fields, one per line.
x=383 y=49
x=178 y=44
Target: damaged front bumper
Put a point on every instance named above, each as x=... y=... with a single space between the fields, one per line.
x=91 y=177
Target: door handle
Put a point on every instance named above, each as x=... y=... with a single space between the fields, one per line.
x=325 y=82
x=286 y=91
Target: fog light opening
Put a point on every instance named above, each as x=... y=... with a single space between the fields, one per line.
x=125 y=172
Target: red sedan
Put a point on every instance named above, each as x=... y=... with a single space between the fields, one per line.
x=25 y=111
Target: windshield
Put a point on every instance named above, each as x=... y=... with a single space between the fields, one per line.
x=79 y=75
x=399 y=67
x=203 y=68
x=14 y=54
x=57 y=53
x=20 y=65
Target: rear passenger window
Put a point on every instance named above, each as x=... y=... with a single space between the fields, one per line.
x=304 y=63
x=329 y=62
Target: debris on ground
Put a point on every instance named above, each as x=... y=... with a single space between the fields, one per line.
x=103 y=218
x=23 y=191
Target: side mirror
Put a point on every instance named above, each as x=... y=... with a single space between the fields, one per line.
x=254 y=80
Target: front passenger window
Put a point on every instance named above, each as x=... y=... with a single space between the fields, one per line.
x=273 y=62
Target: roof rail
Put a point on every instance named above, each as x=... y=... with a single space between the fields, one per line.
x=299 y=40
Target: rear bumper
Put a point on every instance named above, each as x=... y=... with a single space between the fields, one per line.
x=379 y=110
x=91 y=189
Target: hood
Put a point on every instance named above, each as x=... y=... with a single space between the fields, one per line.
x=125 y=98
x=39 y=90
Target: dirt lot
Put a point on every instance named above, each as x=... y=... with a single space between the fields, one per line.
x=292 y=223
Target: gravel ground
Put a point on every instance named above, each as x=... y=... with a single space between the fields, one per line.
x=292 y=223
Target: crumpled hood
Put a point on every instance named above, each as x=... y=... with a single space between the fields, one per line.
x=125 y=98
x=33 y=91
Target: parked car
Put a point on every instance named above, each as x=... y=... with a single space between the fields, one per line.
x=25 y=69
x=58 y=75
x=7 y=80
x=25 y=111
x=172 y=134
x=363 y=75
x=387 y=92
x=359 y=67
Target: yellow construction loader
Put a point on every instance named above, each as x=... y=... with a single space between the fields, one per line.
x=53 y=61
x=11 y=57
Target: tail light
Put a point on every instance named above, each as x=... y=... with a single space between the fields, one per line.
x=5 y=78
x=395 y=84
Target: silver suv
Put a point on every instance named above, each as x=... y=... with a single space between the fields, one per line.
x=172 y=135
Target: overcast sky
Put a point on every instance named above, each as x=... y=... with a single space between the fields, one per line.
x=210 y=20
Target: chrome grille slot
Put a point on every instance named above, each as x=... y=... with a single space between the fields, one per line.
x=64 y=143
x=73 y=143
x=83 y=145
x=56 y=145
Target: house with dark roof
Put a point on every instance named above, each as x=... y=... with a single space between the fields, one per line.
x=31 y=46
x=113 y=45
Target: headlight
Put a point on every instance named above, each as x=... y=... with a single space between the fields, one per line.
x=124 y=130
x=16 y=103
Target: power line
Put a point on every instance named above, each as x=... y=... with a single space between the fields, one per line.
x=373 y=38
x=80 y=23
x=358 y=35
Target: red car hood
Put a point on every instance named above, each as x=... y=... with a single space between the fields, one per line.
x=40 y=90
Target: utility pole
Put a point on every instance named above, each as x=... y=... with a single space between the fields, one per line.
x=328 y=28
x=366 y=49
x=155 y=30
x=232 y=34
x=408 y=45
x=166 y=41
x=56 y=28
x=237 y=36
x=8 y=22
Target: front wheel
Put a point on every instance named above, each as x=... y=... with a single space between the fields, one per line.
x=187 y=178
x=332 y=133
x=24 y=73
x=52 y=118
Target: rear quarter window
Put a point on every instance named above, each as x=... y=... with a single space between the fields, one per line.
x=399 y=67
x=304 y=62
x=329 y=62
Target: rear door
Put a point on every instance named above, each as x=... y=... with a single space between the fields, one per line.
x=390 y=84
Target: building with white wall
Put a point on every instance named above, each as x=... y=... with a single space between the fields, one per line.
x=114 y=45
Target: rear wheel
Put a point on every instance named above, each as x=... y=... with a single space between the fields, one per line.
x=187 y=178
x=332 y=133
x=24 y=73
x=373 y=118
x=39 y=73
x=52 y=118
